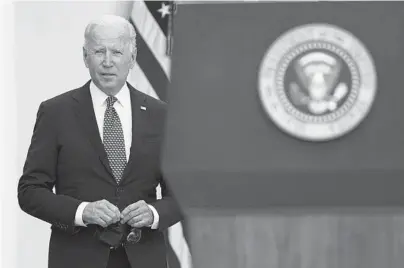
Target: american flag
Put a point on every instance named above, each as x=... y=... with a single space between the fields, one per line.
x=151 y=75
x=152 y=71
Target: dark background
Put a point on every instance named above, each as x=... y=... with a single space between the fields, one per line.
x=221 y=142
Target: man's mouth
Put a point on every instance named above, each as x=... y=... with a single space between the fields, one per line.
x=107 y=74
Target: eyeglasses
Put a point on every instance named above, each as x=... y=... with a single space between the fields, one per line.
x=114 y=235
x=134 y=236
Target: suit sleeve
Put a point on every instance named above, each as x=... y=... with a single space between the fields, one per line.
x=35 y=195
x=167 y=207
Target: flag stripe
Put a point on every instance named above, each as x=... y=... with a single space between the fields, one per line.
x=153 y=6
x=139 y=80
x=173 y=261
x=179 y=245
x=152 y=68
x=151 y=33
x=185 y=234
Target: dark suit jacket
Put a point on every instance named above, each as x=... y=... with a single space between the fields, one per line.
x=66 y=151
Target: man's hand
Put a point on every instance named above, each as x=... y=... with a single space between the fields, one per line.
x=101 y=212
x=137 y=215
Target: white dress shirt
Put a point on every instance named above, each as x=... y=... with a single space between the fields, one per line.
x=123 y=107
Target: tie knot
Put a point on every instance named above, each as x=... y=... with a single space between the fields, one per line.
x=110 y=101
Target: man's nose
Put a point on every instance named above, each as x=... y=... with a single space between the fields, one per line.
x=107 y=62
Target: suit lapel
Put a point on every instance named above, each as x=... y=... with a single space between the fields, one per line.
x=86 y=117
x=138 y=121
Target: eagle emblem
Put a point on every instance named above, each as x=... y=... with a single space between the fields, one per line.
x=317 y=82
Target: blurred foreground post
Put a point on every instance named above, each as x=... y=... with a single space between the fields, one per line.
x=285 y=135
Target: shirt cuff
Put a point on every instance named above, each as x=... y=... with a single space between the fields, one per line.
x=156 y=218
x=78 y=220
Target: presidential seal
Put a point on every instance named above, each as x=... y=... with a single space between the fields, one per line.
x=317 y=82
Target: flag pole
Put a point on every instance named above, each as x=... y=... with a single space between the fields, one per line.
x=170 y=28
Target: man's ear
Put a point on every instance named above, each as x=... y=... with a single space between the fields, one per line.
x=134 y=54
x=85 y=55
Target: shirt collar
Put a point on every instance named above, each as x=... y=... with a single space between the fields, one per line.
x=99 y=97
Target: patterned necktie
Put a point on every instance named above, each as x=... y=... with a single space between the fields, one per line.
x=114 y=143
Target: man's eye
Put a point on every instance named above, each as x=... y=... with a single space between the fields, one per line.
x=117 y=52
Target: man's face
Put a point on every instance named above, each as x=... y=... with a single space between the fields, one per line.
x=108 y=57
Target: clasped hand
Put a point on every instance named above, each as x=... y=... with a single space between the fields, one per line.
x=104 y=213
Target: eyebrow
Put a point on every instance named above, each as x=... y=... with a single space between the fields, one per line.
x=98 y=47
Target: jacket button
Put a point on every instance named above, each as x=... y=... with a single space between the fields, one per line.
x=119 y=190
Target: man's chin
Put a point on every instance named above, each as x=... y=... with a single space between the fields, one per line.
x=109 y=87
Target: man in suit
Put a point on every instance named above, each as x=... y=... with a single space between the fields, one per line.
x=99 y=146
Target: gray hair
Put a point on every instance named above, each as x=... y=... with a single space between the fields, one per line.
x=111 y=20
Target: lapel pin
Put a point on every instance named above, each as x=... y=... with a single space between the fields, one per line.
x=143 y=108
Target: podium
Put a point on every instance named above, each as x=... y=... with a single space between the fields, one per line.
x=257 y=194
